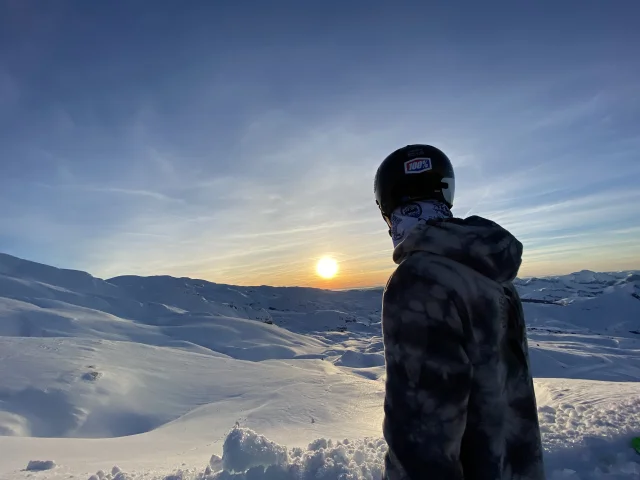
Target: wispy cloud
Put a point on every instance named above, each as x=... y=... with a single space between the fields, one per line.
x=89 y=189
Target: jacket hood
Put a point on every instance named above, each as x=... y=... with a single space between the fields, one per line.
x=475 y=242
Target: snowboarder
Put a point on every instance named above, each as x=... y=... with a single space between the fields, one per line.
x=459 y=400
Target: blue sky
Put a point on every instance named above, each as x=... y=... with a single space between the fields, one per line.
x=237 y=141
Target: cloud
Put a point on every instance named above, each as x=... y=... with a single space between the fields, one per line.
x=125 y=191
x=92 y=189
x=247 y=163
x=266 y=219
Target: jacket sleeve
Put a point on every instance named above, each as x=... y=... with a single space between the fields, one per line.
x=428 y=379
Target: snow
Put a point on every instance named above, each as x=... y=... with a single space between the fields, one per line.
x=178 y=378
x=244 y=449
x=40 y=465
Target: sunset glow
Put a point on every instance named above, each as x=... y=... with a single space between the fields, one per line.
x=327 y=267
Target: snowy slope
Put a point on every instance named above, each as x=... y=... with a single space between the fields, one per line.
x=584 y=284
x=152 y=374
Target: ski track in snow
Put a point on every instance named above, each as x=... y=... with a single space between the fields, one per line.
x=181 y=379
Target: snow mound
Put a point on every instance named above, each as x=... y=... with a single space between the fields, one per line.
x=247 y=455
x=244 y=449
x=116 y=474
x=40 y=465
x=360 y=360
x=250 y=456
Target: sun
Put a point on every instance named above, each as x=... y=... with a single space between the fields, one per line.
x=327 y=267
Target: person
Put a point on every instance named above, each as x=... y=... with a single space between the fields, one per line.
x=459 y=398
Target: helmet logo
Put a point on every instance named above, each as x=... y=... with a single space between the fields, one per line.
x=417 y=165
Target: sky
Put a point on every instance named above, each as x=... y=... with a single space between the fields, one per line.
x=237 y=141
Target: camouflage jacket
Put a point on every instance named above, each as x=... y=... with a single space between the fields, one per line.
x=459 y=398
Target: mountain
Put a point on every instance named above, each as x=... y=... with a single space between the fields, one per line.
x=157 y=374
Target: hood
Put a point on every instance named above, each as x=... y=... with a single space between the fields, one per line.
x=475 y=242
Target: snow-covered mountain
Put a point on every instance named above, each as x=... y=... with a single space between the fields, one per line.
x=157 y=374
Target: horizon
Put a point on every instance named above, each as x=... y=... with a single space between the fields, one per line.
x=369 y=287
x=241 y=149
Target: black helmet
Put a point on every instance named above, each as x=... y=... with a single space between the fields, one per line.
x=414 y=172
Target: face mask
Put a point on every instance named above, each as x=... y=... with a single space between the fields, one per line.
x=404 y=218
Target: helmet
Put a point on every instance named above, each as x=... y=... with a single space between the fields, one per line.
x=414 y=172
